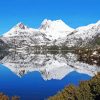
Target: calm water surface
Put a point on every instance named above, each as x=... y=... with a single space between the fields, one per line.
x=38 y=76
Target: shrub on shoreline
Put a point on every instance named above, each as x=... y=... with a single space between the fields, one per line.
x=87 y=90
x=5 y=97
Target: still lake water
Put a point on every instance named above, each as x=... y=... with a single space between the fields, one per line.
x=38 y=76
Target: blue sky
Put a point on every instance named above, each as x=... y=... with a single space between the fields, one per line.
x=31 y=12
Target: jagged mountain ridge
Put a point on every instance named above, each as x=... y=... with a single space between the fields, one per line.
x=51 y=32
x=22 y=35
x=83 y=35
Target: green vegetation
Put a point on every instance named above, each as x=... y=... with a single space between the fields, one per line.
x=97 y=41
x=5 y=97
x=87 y=55
x=87 y=90
x=54 y=47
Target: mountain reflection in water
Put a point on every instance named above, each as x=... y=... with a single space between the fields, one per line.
x=49 y=65
x=56 y=70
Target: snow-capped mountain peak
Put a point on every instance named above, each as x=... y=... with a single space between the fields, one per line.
x=90 y=26
x=52 y=29
x=24 y=36
x=84 y=35
x=21 y=26
x=57 y=25
x=55 y=29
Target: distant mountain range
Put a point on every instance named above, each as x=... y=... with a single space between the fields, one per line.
x=52 y=33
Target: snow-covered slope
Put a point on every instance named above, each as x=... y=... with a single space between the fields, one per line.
x=20 y=30
x=88 y=31
x=16 y=30
x=81 y=36
x=45 y=35
x=21 y=34
x=55 y=29
x=51 y=32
